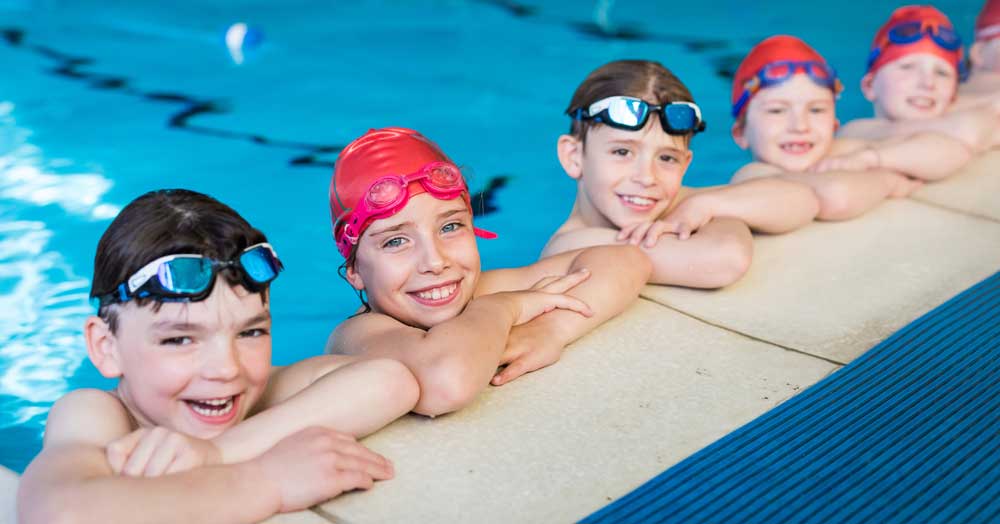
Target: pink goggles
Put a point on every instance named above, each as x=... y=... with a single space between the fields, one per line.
x=388 y=195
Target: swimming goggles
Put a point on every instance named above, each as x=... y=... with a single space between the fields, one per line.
x=191 y=277
x=625 y=112
x=910 y=32
x=778 y=72
x=388 y=195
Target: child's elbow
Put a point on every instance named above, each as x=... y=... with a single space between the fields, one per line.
x=732 y=259
x=400 y=388
x=834 y=201
x=445 y=387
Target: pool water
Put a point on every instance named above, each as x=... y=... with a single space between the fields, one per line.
x=99 y=104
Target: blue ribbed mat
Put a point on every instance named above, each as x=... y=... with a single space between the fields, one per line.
x=910 y=431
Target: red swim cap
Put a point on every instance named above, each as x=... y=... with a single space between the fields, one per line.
x=378 y=153
x=773 y=49
x=925 y=14
x=988 y=22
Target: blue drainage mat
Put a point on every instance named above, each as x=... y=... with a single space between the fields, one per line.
x=908 y=432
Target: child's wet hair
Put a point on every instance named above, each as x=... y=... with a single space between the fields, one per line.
x=644 y=79
x=167 y=222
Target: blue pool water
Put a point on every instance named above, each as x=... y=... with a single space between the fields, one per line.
x=99 y=104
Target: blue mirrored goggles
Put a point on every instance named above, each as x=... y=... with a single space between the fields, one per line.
x=190 y=277
x=625 y=112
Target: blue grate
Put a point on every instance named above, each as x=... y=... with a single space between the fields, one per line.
x=910 y=431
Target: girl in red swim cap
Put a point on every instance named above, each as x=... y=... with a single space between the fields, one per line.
x=784 y=95
x=403 y=221
x=914 y=68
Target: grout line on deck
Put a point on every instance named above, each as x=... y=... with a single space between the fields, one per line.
x=945 y=207
x=745 y=335
x=327 y=515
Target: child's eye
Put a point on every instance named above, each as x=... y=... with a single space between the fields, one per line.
x=819 y=110
x=944 y=73
x=254 y=333
x=669 y=158
x=176 y=341
x=451 y=227
x=774 y=110
x=393 y=243
x=620 y=151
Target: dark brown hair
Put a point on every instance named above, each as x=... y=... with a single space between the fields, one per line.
x=643 y=79
x=166 y=222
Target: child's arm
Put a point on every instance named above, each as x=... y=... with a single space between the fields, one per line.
x=766 y=205
x=617 y=273
x=71 y=480
x=716 y=255
x=976 y=127
x=927 y=156
x=455 y=359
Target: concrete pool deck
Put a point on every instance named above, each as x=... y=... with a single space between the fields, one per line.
x=681 y=368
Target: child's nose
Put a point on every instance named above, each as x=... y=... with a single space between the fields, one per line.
x=432 y=258
x=221 y=362
x=799 y=120
x=643 y=173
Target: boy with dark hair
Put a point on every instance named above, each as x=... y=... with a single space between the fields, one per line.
x=628 y=150
x=200 y=427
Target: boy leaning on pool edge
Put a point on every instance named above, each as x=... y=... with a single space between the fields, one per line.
x=200 y=427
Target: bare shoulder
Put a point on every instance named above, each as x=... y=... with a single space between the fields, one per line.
x=861 y=128
x=355 y=335
x=755 y=170
x=90 y=416
x=845 y=145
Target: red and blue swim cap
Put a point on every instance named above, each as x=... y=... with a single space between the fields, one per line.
x=927 y=17
x=779 y=48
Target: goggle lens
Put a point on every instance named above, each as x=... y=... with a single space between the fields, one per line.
x=384 y=192
x=184 y=275
x=260 y=265
x=778 y=71
x=628 y=112
x=445 y=178
x=680 y=117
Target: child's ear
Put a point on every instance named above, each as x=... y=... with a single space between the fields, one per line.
x=738 y=136
x=976 y=54
x=353 y=278
x=868 y=86
x=102 y=347
x=570 y=151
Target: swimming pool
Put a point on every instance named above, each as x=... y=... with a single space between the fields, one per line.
x=100 y=104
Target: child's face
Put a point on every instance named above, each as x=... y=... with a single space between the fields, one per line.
x=914 y=87
x=421 y=265
x=195 y=367
x=629 y=176
x=789 y=125
x=985 y=55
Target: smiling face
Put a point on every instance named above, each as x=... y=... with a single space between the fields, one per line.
x=915 y=87
x=985 y=56
x=625 y=176
x=194 y=367
x=789 y=125
x=421 y=265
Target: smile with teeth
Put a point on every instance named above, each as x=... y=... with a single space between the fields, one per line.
x=796 y=148
x=215 y=407
x=638 y=201
x=921 y=102
x=437 y=293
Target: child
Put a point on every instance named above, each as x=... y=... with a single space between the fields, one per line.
x=784 y=103
x=403 y=222
x=183 y=322
x=913 y=72
x=628 y=150
x=984 y=56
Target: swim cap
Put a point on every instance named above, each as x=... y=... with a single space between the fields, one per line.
x=988 y=21
x=774 y=49
x=379 y=153
x=925 y=14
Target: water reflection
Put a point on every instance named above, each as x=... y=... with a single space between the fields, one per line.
x=43 y=301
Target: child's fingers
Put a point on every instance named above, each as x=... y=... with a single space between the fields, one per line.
x=119 y=451
x=570 y=303
x=626 y=231
x=513 y=370
x=653 y=235
x=346 y=480
x=136 y=464
x=566 y=282
x=163 y=456
x=639 y=233
x=544 y=281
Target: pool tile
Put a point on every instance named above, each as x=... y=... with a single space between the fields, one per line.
x=636 y=396
x=836 y=289
x=974 y=190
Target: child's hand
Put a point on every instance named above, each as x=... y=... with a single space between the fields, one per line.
x=861 y=160
x=529 y=348
x=317 y=464
x=151 y=452
x=689 y=216
x=902 y=186
x=645 y=234
x=548 y=294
